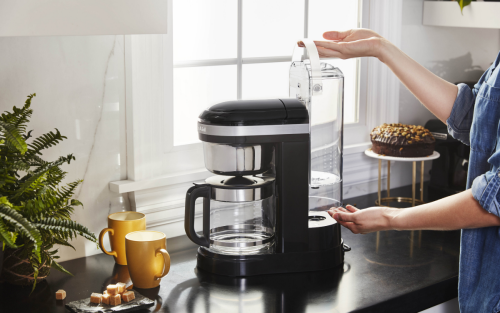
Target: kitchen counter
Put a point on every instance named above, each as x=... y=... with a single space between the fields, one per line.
x=389 y=271
x=404 y=272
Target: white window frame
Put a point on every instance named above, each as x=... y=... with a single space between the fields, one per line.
x=159 y=173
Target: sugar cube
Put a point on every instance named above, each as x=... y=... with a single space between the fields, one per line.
x=121 y=287
x=96 y=298
x=60 y=294
x=112 y=289
x=105 y=292
x=128 y=296
x=105 y=298
x=115 y=299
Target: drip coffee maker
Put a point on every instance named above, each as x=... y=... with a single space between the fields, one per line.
x=278 y=166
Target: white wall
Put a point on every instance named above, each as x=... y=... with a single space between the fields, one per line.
x=80 y=87
x=455 y=54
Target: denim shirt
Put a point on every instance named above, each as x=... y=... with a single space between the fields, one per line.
x=475 y=120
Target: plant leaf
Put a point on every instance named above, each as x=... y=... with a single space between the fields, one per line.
x=58 y=267
x=8 y=238
x=63 y=243
x=13 y=138
x=35 y=275
x=24 y=226
x=71 y=227
x=463 y=4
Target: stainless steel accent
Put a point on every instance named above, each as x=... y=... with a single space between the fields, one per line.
x=237 y=159
x=263 y=130
x=440 y=136
x=242 y=229
x=242 y=195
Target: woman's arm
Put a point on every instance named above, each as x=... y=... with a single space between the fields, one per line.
x=454 y=212
x=433 y=92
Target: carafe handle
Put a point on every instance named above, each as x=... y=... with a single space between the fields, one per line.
x=192 y=194
x=312 y=52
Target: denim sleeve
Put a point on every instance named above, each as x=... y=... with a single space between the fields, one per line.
x=460 y=120
x=485 y=190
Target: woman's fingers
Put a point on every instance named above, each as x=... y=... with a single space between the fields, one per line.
x=344 y=217
x=336 y=35
x=327 y=53
x=350 y=208
x=332 y=45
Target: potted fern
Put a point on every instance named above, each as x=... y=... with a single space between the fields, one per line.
x=35 y=208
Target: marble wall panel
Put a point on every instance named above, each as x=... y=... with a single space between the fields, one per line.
x=80 y=87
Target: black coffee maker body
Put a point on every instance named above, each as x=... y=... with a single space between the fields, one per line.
x=278 y=166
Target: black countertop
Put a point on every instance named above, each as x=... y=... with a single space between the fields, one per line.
x=389 y=271
x=409 y=272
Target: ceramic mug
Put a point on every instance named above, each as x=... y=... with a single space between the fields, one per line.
x=147 y=258
x=120 y=224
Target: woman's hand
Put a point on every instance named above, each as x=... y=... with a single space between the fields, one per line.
x=363 y=221
x=348 y=44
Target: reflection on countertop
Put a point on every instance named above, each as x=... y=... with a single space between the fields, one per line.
x=388 y=271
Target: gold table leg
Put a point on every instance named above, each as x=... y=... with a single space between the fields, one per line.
x=387 y=200
x=379 y=181
x=388 y=179
x=422 y=182
x=413 y=183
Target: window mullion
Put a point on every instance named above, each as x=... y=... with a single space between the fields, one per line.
x=239 y=63
x=306 y=18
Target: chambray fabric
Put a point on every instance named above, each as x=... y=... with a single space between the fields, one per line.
x=475 y=120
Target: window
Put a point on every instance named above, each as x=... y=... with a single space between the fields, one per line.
x=227 y=49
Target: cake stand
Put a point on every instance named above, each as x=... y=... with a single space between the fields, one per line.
x=381 y=201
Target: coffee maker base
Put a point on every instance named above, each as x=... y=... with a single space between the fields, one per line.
x=272 y=263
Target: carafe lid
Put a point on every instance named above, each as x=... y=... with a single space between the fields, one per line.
x=240 y=188
x=238 y=182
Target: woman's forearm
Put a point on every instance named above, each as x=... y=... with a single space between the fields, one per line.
x=436 y=94
x=454 y=212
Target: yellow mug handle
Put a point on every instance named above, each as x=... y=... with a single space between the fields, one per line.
x=166 y=258
x=101 y=237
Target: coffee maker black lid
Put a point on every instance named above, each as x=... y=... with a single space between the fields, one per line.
x=256 y=112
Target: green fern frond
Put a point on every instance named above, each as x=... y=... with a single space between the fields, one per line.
x=23 y=225
x=12 y=137
x=8 y=238
x=45 y=141
x=68 y=226
x=58 y=267
x=19 y=117
x=54 y=177
x=30 y=184
x=35 y=275
x=19 y=166
x=63 y=242
x=33 y=179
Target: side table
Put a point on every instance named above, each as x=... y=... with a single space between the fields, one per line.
x=387 y=200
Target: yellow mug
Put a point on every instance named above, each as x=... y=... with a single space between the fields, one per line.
x=147 y=258
x=120 y=224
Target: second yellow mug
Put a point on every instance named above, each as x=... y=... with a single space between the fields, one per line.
x=147 y=258
x=120 y=224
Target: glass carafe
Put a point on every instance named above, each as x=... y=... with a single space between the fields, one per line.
x=242 y=227
x=239 y=214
